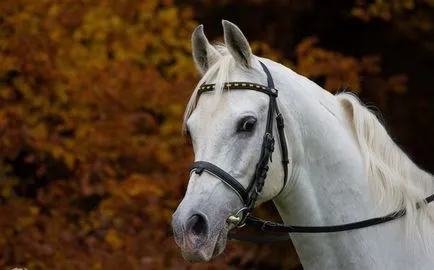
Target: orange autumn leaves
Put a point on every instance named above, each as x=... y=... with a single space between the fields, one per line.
x=91 y=100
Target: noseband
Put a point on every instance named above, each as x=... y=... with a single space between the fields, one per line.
x=250 y=194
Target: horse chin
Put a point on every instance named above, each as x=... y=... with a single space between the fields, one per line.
x=220 y=243
x=206 y=251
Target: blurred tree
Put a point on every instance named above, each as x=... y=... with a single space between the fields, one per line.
x=92 y=95
x=412 y=18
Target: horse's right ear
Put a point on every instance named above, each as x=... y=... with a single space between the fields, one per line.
x=204 y=54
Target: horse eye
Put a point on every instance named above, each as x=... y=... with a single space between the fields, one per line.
x=247 y=124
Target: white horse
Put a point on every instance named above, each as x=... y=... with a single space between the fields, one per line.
x=343 y=167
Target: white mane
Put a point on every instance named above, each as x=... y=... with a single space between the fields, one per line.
x=396 y=182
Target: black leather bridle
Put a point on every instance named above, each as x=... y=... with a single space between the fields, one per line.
x=250 y=194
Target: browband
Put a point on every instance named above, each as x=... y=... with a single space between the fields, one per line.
x=239 y=86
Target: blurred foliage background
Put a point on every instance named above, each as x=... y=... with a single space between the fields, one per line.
x=92 y=92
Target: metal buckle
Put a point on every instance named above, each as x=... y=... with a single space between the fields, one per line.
x=266 y=222
x=269 y=141
x=239 y=218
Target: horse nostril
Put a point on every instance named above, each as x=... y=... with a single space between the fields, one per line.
x=197 y=225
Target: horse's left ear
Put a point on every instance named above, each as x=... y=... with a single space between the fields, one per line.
x=237 y=44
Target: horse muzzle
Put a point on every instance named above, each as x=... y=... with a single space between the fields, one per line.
x=198 y=240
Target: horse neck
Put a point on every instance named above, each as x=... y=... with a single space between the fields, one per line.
x=329 y=186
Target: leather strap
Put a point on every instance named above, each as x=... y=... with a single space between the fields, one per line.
x=239 y=86
x=283 y=146
x=270 y=81
x=268 y=226
x=200 y=166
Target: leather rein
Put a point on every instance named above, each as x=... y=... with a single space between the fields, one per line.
x=250 y=194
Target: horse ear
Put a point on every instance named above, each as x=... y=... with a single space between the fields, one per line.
x=204 y=54
x=237 y=43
